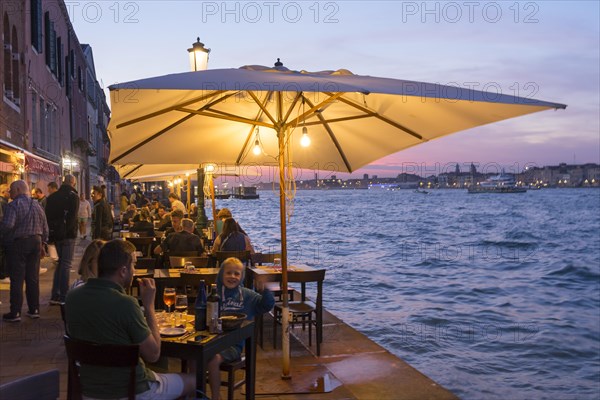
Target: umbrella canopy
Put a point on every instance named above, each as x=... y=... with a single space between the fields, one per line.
x=211 y=116
x=217 y=116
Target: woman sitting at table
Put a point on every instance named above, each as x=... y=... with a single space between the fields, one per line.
x=88 y=267
x=232 y=239
x=235 y=298
x=144 y=224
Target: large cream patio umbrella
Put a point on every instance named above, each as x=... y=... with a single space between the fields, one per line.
x=219 y=115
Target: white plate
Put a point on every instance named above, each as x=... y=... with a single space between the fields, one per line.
x=172 y=331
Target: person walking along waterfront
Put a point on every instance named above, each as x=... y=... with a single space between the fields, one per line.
x=62 y=208
x=85 y=213
x=23 y=230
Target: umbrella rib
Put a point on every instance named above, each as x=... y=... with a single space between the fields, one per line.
x=381 y=117
x=182 y=120
x=249 y=136
x=226 y=116
x=151 y=138
x=342 y=119
x=332 y=137
x=166 y=110
x=262 y=106
x=313 y=108
x=132 y=171
x=291 y=108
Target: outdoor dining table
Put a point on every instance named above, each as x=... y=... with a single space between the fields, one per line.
x=187 y=348
x=272 y=273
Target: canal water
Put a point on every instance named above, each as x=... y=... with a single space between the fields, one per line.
x=494 y=296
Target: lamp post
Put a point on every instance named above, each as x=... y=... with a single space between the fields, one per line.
x=199 y=62
x=198 y=56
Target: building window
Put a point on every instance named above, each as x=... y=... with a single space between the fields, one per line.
x=42 y=119
x=50 y=46
x=36 y=25
x=7 y=48
x=35 y=131
x=15 y=68
x=59 y=57
x=79 y=79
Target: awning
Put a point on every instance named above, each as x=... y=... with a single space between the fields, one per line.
x=39 y=165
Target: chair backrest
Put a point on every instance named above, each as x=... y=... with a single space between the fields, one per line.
x=105 y=355
x=192 y=280
x=42 y=386
x=143 y=244
x=243 y=256
x=264 y=258
x=178 y=262
x=145 y=263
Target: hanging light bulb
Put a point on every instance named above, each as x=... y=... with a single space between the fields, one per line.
x=304 y=140
x=256 y=150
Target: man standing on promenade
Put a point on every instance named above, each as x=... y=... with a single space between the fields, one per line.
x=102 y=221
x=52 y=188
x=24 y=230
x=61 y=211
x=39 y=196
x=3 y=203
x=101 y=312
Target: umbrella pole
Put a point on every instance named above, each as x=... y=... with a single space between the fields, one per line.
x=285 y=308
x=212 y=198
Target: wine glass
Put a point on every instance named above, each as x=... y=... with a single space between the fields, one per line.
x=169 y=297
x=181 y=305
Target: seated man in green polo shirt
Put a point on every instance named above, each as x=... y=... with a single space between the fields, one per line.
x=101 y=312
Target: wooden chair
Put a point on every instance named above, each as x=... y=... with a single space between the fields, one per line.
x=304 y=311
x=42 y=386
x=189 y=284
x=143 y=244
x=179 y=261
x=145 y=263
x=231 y=368
x=105 y=355
x=243 y=256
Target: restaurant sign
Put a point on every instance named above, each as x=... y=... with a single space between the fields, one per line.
x=34 y=164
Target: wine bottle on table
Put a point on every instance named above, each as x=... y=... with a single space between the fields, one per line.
x=212 y=310
x=200 y=307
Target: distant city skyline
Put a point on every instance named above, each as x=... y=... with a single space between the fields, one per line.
x=543 y=50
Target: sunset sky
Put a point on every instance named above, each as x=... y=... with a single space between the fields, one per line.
x=547 y=50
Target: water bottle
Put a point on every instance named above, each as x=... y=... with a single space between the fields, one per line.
x=212 y=310
x=200 y=307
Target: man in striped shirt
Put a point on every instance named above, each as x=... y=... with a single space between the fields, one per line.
x=25 y=230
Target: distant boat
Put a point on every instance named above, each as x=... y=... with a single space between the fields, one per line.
x=245 y=192
x=501 y=183
x=222 y=194
x=422 y=191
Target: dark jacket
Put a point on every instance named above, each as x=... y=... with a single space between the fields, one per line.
x=102 y=221
x=62 y=207
x=143 y=226
x=182 y=242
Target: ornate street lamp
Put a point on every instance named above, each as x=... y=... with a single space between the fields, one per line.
x=198 y=56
